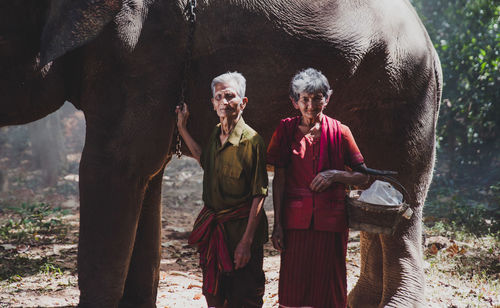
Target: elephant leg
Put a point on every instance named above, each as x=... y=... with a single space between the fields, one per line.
x=128 y=105
x=368 y=290
x=143 y=274
x=110 y=205
x=404 y=280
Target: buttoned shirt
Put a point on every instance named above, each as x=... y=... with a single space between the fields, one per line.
x=235 y=173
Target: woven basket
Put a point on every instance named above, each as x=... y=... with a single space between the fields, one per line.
x=376 y=218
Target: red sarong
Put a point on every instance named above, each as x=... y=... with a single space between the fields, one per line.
x=209 y=235
x=313 y=269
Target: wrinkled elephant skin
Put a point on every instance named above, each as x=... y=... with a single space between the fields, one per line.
x=121 y=63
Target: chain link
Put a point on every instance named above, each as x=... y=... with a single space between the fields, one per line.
x=190 y=14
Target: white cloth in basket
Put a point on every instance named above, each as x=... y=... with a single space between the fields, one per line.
x=382 y=193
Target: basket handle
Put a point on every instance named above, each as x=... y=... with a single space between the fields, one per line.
x=398 y=184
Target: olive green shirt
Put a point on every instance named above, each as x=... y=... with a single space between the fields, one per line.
x=235 y=173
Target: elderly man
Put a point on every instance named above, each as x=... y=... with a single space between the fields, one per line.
x=232 y=227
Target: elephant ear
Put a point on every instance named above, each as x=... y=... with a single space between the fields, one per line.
x=130 y=19
x=73 y=23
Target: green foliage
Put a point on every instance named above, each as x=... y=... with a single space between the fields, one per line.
x=49 y=268
x=466 y=36
x=30 y=224
x=459 y=210
x=14 y=267
x=465 y=192
x=31 y=221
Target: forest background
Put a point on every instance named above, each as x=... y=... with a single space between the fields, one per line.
x=466 y=36
x=461 y=215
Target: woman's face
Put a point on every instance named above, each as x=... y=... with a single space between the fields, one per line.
x=311 y=105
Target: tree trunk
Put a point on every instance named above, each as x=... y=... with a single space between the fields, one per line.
x=3 y=182
x=47 y=145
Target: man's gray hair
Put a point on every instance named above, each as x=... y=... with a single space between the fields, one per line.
x=310 y=81
x=234 y=78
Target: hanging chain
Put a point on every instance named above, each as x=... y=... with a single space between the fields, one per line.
x=190 y=14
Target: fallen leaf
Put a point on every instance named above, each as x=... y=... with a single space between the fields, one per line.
x=197 y=296
x=176 y=273
x=163 y=275
x=433 y=249
x=453 y=250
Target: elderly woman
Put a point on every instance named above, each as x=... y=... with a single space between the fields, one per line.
x=309 y=153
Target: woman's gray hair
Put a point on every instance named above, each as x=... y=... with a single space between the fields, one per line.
x=234 y=78
x=310 y=81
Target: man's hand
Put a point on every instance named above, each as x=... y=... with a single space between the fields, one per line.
x=278 y=238
x=323 y=180
x=182 y=116
x=242 y=254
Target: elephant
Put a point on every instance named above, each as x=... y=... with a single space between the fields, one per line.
x=122 y=63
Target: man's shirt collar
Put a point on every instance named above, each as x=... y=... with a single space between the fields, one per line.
x=235 y=135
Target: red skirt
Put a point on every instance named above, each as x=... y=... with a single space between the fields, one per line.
x=313 y=269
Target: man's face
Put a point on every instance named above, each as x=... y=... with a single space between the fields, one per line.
x=227 y=102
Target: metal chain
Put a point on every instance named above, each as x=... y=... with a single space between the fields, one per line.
x=190 y=14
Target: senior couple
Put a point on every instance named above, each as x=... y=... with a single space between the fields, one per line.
x=309 y=153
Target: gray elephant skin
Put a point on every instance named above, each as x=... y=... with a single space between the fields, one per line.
x=121 y=63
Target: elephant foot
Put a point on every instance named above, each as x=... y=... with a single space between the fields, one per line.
x=364 y=295
x=95 y=304
x=124 y=303
x=403 y=300
x=409 y=291
x=137 y=303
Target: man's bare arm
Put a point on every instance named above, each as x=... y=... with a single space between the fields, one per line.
x=242 y=253
x=182 y=117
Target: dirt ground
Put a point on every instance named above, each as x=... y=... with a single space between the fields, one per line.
x=55 y=284
x=39 y=270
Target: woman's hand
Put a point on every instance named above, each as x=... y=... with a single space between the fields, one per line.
x=182 y=116
x=242 y=254
x=323 y=180
x=278 y=238
x=326 y=178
